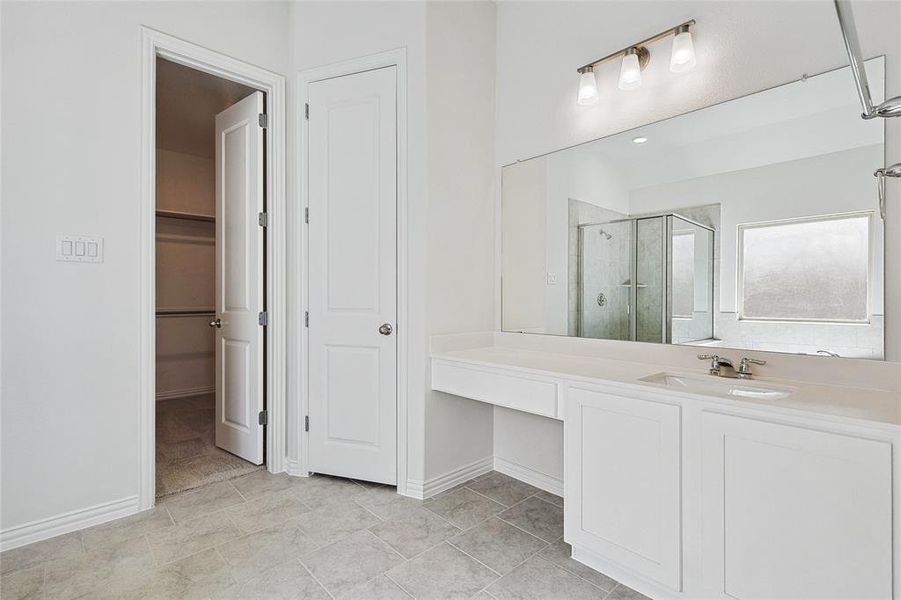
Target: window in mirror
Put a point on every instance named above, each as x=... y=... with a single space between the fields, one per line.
x=813 y=269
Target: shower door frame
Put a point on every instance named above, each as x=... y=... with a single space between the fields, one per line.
x=666 y=275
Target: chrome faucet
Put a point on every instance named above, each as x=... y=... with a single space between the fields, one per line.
x=744 y=367
x=717 y=363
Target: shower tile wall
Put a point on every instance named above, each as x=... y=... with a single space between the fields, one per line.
x=605 y=280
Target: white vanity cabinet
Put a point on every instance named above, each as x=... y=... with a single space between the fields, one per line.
x=623 y=482
x=682 y=495
x=684 y=498
x=793 y=512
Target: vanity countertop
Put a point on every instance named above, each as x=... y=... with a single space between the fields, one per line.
x=869 y=405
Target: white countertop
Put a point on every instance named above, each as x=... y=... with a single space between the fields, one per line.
x=869 y=405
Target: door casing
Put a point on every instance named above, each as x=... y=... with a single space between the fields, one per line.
x=155 y=44
x=299 y=371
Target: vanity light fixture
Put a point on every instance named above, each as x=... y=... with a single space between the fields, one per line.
x=683 y=57
x=588 y=86
x=634 y=60
x=639 y=140
x=630 y=72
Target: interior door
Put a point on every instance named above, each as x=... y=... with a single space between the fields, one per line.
x=353 y=276
x=239 y=279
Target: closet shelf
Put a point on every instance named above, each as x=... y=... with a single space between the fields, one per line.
x=172 y=214
x=170 y=312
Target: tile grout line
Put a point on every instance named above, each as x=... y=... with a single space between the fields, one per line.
x=316 y=579
x=398 y=584
x=610 y=591
x=234 y=487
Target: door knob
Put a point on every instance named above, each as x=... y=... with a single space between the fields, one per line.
x=386 y=329
x=217 y=323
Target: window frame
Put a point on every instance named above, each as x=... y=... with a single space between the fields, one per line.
x=871 y=263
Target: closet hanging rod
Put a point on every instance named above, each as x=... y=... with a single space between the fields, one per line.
x=186 y=313
x=172 y=214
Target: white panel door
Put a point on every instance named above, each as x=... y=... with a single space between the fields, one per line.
x=794 y=513
x=623 y=464
x=239 y=279
x=353 y=276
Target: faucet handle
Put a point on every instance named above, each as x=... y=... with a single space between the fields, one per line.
x=714 y=362
x=744 y=367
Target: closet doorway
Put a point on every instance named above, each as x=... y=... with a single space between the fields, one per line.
x=209 y=278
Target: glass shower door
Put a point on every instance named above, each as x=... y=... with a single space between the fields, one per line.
x=650 y=280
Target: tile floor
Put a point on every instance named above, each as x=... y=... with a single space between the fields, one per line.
x=275 y=536
x=186 y=452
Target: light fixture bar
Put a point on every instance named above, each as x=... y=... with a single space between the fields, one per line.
x=650 y=40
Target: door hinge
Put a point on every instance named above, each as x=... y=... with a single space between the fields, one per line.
x=264 y=417
x=306 y=111
x=306 y=423
x=263 y=219
x=306 y=215
x=306 y=318
x=264 y=120
x=263 y=318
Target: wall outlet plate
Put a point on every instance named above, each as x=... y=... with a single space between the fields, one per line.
x=551 y=278
x=79 y=248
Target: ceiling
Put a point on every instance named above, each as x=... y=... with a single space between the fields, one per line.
x=187 y=102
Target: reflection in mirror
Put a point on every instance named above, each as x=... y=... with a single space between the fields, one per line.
x=750 y=224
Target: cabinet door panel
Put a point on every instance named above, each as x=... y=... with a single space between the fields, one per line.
x=795 y=513
x=623 y=457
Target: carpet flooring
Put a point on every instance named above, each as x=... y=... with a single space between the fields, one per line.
x=186 y=452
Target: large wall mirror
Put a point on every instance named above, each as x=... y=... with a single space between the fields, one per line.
x=750 y=224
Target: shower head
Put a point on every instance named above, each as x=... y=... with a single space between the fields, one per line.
x=606 y=235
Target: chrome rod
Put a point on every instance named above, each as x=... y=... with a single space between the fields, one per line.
x=852 y=45
x=185 y=313
x=889 y=108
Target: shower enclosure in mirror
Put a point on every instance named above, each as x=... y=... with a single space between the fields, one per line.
x=749 y=224
x=648 y=279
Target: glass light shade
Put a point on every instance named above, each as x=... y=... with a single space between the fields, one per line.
x=683 y=58
x=588 y=88
x=630 y=72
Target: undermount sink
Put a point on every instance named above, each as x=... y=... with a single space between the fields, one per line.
x=714 y=386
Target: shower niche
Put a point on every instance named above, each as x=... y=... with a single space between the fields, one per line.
x=647 y=279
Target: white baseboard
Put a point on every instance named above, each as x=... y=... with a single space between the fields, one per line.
x=530 y=476
x=426 y=489
x=43 y=529
x=186 y=392
x=293 y=467
x=623 y=575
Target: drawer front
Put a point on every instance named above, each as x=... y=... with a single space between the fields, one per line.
x=510 y=390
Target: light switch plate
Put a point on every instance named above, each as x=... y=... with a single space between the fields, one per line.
x=79 y=248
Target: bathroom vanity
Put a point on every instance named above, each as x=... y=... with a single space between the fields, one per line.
x=685 y=485
x=744 y=229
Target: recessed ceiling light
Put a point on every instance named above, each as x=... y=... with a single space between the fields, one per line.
x=639 y=140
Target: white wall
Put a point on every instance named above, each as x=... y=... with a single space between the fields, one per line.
x=742 y=47
x=460 y=39
x=71 y=128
